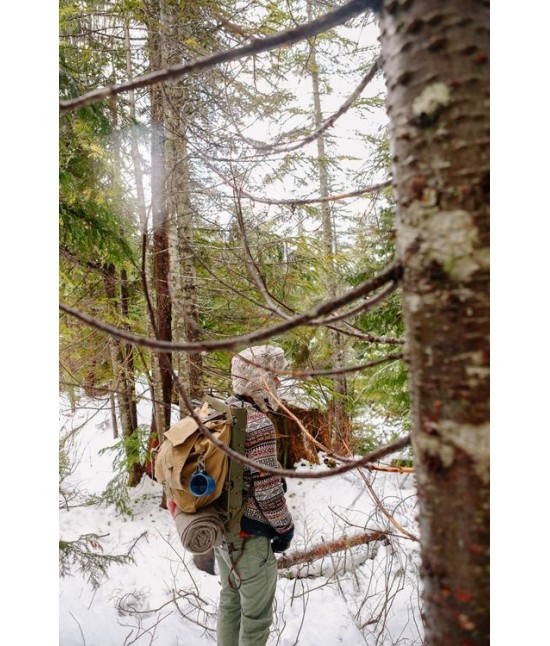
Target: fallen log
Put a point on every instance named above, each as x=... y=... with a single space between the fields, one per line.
x=324 y=549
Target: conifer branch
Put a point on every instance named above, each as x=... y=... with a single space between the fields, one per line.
x=289 y=201
x=329 y=121
x=277 y=147
x=363 y=307
x=353 y=331
x=255 y=46
x=317 y=200
x=340 y=371
x=272 y=302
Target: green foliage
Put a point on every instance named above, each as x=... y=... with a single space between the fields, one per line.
x=386 y=391
x=375 y=428
x=116 y=493
x=228 y=110
x=85 y=356
x=86 y=554
x=402 y=462
x=96 y=235
x=67 y=494
x=90 y=221
x=89 y=226
x=128 y=452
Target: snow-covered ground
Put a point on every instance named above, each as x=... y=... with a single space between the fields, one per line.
x=367 y=595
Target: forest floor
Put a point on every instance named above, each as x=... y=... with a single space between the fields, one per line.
x=365 y=595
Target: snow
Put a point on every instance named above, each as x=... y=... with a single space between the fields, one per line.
x=366 y=595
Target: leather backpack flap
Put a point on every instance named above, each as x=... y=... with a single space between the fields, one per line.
x=174 y=451
x=215 y=461
x=178 y=458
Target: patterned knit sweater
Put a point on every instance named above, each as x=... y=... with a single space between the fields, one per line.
x=266 y=512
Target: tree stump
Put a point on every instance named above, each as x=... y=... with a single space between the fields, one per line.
x=293 y=444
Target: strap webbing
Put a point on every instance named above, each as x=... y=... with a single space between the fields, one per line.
x=235 y=479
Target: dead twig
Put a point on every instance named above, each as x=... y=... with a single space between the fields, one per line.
x=386 y=513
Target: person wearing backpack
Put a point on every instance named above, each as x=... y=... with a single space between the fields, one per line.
x=247 y=566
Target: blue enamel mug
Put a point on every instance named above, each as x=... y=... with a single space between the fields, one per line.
x=201 y=484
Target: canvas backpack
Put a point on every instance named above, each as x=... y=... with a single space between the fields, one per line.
x=188 y=463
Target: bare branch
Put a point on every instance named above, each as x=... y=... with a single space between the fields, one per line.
x=79 y=628
x=386 y=513
x=363 y=307
x=373 y=456
x=341 y=371
x=392 y=273
x=354 y=331
x=253 y=268
x=289 y=201
x=330 y=121
x=230 y=26
x=256 y=46
x=318 y=200
x=388 y=469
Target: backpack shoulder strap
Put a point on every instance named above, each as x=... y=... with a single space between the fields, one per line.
x=234 y=506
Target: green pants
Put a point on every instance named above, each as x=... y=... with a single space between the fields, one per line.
x=245 y=611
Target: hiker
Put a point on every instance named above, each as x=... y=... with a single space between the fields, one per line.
x=247 y=567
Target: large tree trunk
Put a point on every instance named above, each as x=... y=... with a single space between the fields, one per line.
x=341 y=423
x=123 y=361
x=161 y=258
x=179 y=27
x=134 y=141
x=436 y=65
x=153 y=441
x=123 y=381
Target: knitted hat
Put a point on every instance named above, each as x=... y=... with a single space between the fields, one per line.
x=251 y=377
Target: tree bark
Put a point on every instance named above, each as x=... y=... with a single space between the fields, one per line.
x=183 y=281
x=124 y=385
x=292 y=444
x=161 y=258
x=341 y=423
x=437 y=76
x=134 y=143
x=324 y=549
x=114 y=422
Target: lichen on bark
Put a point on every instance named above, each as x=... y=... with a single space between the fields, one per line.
x=435 y=62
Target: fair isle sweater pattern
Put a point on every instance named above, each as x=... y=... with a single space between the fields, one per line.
x=265 y=498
